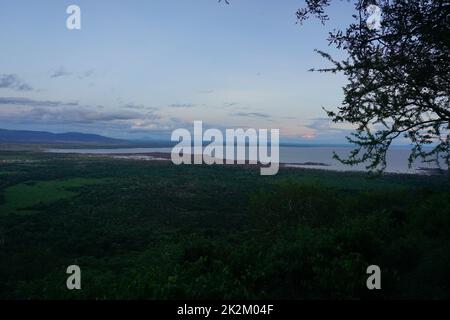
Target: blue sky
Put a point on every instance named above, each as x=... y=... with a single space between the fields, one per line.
x=141 y=68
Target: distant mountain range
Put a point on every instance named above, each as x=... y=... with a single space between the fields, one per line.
x=24 y=136
x=43 y=137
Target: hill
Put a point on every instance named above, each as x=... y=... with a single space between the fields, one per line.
x=25 y=136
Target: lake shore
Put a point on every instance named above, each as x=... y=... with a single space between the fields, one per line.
x=308 y=165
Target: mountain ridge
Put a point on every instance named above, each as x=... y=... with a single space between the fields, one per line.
x=29 y=136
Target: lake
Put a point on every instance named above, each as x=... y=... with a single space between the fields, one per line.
x=295 y=157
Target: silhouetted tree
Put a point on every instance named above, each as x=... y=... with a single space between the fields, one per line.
x=398 y=78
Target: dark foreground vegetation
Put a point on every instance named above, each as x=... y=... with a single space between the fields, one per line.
x=151 y=230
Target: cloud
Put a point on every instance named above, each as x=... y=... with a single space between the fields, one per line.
x=15 y=101
x=12 y=81
x=37 y=112
x=80 y=115
x=61 y=72
x=325 y=129
x=182 y=105
x=326 y=125
x=71 y=115
x=86 y=74
x=251 y=115
x=230 y=104
x=138 y=107
x=206 y=91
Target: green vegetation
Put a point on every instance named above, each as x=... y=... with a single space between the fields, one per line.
x=152 y=230
x=20 y=197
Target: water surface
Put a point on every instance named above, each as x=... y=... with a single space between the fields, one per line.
x=397 y=158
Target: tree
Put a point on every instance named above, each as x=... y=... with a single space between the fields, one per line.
x=398 y=75
x=398 y=78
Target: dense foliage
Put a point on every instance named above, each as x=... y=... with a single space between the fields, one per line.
x=398 y=77
x=157 y=231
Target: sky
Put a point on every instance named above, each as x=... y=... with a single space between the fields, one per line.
x=140 y=69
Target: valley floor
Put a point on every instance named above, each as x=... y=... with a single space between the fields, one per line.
x=153 y=230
